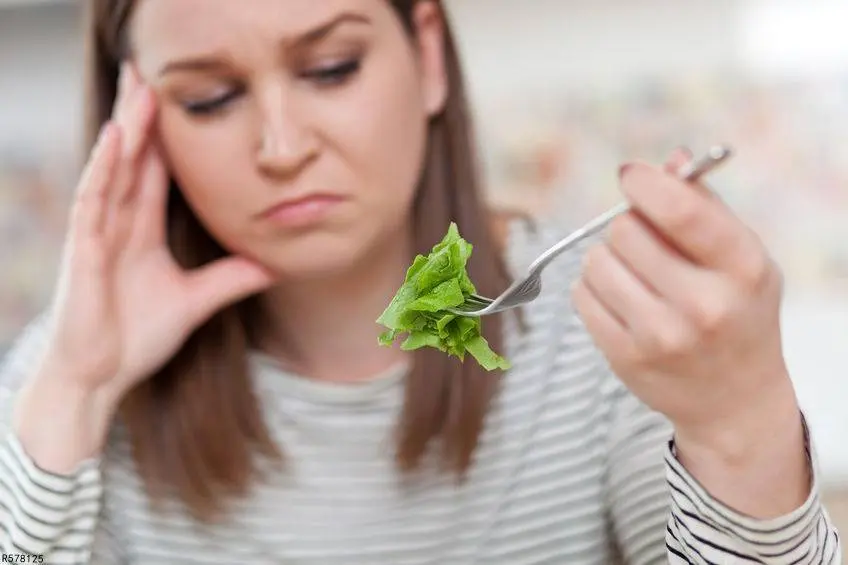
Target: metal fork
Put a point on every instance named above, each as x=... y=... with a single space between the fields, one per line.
x=528 y=288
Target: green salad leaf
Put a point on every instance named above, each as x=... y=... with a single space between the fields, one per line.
x=419 y=309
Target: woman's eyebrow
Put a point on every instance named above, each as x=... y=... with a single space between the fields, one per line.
x=214 y=62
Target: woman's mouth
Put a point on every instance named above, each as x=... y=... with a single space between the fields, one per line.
x=302 y=212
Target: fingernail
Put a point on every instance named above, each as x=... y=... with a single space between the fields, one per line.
x=683 y=150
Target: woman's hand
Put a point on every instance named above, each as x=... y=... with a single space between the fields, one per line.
x=123 y=305
x=684 y=301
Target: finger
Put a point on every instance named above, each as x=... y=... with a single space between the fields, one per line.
x=626 y=298
x=120 y=215
x=702 y=228
x=137 y=122
x=669 y=275
x=609 y=281
x=654 y=326
x=136 y=111
x=140 y=133
x=120 y=114
x=126 y=79
x=699 y=295
x=90 y=205
x=223 y=283
x=610 y=336
x=133 y=112
x=680 y=158
x=151 y=199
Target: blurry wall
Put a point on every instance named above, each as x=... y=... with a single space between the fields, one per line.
x=40 y=101
x=564 y=89
x=567 y=89
x=549 y=47
x=40 y=70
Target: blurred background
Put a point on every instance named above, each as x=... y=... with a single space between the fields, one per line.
x=564 y=90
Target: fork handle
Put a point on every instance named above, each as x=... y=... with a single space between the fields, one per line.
x=690 y=173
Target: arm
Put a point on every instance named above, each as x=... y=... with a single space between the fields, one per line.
x=661 y=514
x=50 y=505
x=704 y=528
x=684 y=301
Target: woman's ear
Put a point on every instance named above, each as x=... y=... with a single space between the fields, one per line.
x=429 y=27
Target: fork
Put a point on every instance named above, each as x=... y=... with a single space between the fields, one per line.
x=526 y=289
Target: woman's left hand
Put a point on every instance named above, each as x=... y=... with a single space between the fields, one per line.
x=684 y=301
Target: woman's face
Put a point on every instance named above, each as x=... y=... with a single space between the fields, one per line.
x=295 y=128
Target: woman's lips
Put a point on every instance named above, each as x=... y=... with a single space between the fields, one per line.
x=302 y=212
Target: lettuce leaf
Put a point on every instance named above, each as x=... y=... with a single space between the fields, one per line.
x=419 y=309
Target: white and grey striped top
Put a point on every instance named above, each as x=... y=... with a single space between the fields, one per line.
x=572 y=470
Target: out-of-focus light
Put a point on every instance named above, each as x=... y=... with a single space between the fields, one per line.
x=794 y=37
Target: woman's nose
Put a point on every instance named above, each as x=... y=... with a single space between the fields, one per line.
x=284 y=154
x=286 y=143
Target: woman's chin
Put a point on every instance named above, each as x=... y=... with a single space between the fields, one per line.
x=312 y=262
x=331 y=254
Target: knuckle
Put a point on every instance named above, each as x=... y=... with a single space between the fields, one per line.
x=88 y=199
x=92 y=259
x=757 y=272
x=712 y=312
x=684 y=217
x=79 y=205
x=87 y=195
x=593 y=259
x=670 y=341
x=629 y=359
x=620 y=231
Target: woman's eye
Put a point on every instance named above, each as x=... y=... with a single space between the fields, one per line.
x=209 y=106
x=335 y=74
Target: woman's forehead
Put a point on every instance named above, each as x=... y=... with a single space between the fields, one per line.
x=192 y=19
x=163 y=30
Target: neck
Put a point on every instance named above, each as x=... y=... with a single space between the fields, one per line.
x=326 y=329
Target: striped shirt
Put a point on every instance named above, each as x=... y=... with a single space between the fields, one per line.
x=572 y=469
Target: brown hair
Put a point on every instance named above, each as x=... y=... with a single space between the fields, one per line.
x=196 y=427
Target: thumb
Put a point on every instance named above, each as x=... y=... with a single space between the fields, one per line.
x=225 y=282
x=679 y=158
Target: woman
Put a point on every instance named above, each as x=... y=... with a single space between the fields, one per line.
x=207 y=386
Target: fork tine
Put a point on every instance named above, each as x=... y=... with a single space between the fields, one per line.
x=466 y=308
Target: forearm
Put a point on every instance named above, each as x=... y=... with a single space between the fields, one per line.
x=50 y=504
x=59 y=425
x=758 y=464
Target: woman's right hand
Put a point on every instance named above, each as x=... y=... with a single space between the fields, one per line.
x=123 y=305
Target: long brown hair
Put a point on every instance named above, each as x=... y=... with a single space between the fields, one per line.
x=196 y=427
